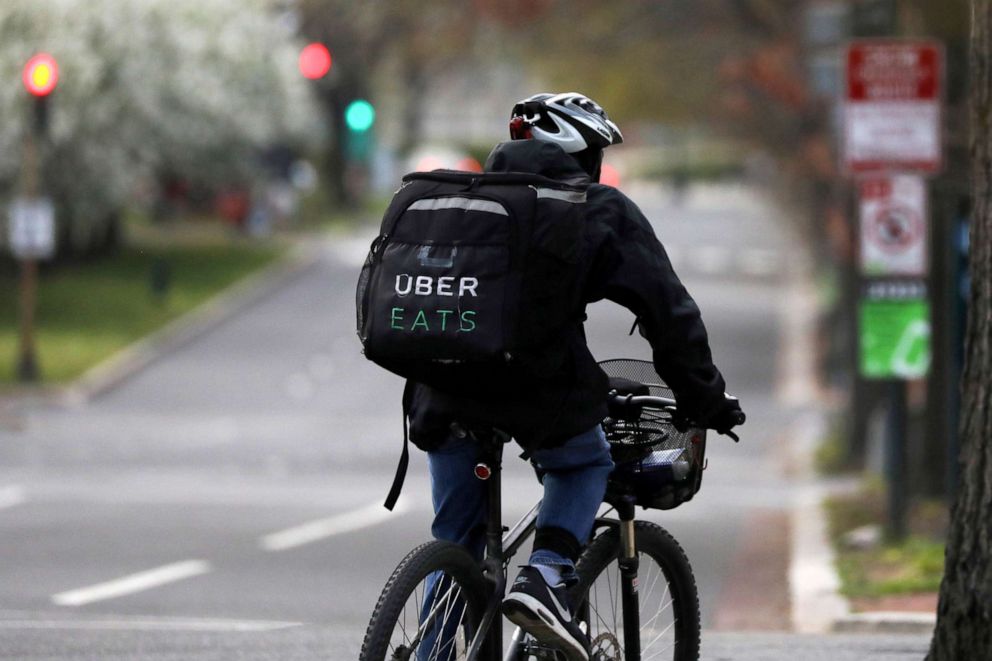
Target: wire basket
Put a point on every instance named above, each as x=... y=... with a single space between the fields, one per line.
x=659 y=465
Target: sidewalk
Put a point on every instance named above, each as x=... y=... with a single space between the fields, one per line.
x=814 y=584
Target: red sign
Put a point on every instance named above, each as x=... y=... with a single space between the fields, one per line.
x=892 y=114
x=893 y=71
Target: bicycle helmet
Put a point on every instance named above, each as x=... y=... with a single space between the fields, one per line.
x=571 y=120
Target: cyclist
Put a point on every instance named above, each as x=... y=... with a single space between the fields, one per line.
x=563 y=136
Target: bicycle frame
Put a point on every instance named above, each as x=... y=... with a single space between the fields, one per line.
x=500 y=548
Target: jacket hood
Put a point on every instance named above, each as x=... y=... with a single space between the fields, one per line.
x=536 y=157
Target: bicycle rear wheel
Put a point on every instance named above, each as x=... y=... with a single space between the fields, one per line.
x=430 y=608
x=667 y=597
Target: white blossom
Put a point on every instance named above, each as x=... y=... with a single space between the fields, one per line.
x=190 y=87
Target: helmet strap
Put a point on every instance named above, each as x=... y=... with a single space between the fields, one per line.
x=590 y=160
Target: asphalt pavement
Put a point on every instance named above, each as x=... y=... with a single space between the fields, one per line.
x=224 y=502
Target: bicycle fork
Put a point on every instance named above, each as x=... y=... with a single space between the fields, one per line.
x=628 y=564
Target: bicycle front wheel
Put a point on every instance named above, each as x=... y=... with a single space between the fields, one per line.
x=667 y=597
x=430 y=608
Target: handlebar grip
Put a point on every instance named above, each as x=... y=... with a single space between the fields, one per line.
x=739 y=418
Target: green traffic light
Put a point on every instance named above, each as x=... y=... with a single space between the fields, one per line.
x=359 y=116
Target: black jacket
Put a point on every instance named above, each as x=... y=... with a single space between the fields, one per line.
x=625 y=263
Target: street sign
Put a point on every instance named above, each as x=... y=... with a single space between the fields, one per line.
x=894 y=325
x=892 y=106
x=31 y=228
x=893 y=215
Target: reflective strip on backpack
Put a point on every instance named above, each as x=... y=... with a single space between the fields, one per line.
x=466 y=203
x=575 y=197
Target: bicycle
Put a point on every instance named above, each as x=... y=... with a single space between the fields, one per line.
x=636 y=594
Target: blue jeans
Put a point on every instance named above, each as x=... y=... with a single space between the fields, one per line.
x=574 y=477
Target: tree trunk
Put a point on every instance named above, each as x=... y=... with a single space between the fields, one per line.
x=964 y=612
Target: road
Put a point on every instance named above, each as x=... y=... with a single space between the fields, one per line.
x=224 y=501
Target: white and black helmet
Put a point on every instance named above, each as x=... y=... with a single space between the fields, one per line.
x=571 y=120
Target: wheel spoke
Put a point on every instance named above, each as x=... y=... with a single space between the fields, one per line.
x=665 y=596
x=428 y=607
x=658 y=637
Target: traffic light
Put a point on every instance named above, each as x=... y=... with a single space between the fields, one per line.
x=315 y=61
x=41 y=75
x=359 y=116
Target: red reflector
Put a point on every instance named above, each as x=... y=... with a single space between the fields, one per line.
x=482 y=471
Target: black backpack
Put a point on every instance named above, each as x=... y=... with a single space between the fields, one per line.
x=473 y=279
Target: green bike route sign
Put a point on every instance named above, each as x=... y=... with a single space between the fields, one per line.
x=894 y=338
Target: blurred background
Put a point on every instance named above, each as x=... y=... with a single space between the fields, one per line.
x=190 y=439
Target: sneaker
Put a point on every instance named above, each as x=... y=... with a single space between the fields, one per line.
x=543 y=612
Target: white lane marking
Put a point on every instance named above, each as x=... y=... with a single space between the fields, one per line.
x=338 y=524
x=152 y=624
x=132 y=583
x=11 y=496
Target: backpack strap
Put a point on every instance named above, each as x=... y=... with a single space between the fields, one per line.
x=404 y=462
x=472 y=179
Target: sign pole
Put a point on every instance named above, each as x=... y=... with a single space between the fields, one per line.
x=891 y=141
x=896 y=460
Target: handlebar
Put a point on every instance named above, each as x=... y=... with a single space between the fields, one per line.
x=644 y=400
x=668 y=404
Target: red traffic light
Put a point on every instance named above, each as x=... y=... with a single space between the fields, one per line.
x=315 y=61
x=41 y=74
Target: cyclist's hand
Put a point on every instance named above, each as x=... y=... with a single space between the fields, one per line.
x=727 y=416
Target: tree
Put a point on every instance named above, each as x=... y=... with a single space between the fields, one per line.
x=184 y=87
x=964 y=611
x=405 y=42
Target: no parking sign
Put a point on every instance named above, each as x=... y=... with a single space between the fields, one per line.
x=893 y=211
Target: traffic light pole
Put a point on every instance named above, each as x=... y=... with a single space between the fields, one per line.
x=27 y=360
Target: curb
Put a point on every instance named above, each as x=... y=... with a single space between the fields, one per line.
x=886 y=622
x=110 y=373
x=814 y=584
x=817 y=605
x=813 y=581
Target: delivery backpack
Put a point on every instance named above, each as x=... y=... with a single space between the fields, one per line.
x=473 y=279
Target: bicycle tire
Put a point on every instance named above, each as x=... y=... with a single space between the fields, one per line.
x=390 y=611
x=660 y=557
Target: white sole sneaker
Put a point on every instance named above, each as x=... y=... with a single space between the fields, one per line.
x=533 y=617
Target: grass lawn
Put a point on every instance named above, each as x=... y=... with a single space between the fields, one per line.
x=912 y=566
x=87 y=311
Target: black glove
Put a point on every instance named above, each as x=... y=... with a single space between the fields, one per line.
x=727 y=416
